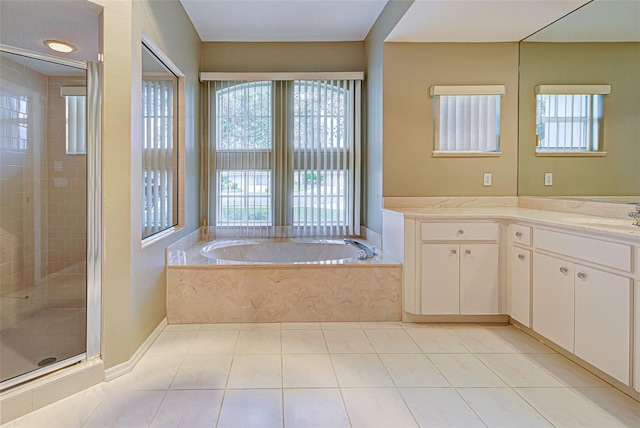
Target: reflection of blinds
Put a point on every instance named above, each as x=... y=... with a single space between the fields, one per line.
x=468 y=123
x=75 y=118
x=159 y=211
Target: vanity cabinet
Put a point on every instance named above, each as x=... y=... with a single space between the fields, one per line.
x=458 y=278
x=584 y=309
x=520 y=274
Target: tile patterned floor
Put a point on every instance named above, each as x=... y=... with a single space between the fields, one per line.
x=346 y=374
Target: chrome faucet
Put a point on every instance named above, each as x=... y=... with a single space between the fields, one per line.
x=635 y=214
x=366 y=253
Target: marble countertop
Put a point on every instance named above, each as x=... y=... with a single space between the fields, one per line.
x=613 y=227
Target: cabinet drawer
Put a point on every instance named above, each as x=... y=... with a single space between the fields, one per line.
x=610 y=254
x=520 y=234
x=459 y=231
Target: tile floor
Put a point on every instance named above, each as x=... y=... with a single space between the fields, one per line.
x=346 y=374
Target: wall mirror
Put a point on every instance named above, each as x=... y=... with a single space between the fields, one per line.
x=596 y=44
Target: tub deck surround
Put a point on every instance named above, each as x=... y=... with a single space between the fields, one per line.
x=205 y=290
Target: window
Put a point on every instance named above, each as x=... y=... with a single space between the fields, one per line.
x=285 y=157
x=569 y=118
x=75 y=99
x=466 y=119
x=159 y=144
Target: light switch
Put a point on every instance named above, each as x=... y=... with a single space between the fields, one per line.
x=487 y=179
x=548 y=179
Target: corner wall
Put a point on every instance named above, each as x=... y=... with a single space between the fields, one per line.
x=409 y=70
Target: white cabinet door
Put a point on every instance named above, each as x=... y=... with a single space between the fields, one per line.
x=553 y=299
x=439 y=279
x=478 y=279
x=520 y=285
x=602 y=321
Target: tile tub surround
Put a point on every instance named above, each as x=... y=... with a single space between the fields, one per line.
x=267 y=293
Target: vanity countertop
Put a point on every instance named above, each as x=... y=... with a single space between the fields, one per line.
x=613 y=227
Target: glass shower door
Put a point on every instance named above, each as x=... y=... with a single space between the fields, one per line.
x=43 y=216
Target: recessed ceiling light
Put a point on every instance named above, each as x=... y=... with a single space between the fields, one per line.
x=59 y=46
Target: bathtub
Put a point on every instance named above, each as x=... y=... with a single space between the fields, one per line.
x=281 y=251
x=280 y=280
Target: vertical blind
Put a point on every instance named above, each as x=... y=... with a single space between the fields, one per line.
x=568 y=122
x=467 y=123
x=285 y=157
x=159 y=156
x=75 y=119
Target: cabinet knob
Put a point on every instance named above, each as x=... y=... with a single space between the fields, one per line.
x=519 y=234
x=467 y=252
x=454 y=251
x=582 y=275
x=461 y=232
x=564 y=270
x=521 y=256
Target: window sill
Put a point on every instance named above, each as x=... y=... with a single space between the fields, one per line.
x=571 y=154
x=151 y=240
x=439 y=154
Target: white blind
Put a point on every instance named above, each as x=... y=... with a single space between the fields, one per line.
x=159 y=156
x=467 y=123
x=285 y=161
x=569 y=122
x=75 y=117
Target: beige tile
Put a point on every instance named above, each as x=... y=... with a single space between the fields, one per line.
x=565 y=370
x=303 y=342
x=614 y=403
x=46 y=394
x=439 y=407
x=182 y=327
x=172 y=343
x=255 y=371
x=220 y=326
x=520 y=340
x=340 y=325
x=14 y=407
x=563 y=407
x=308 y=371
x=386 y=341
x=300 y=326
x=377 y=407
x=372 y=325
x=151 y=373
x=214 y=342
x=413 y=370
x=72 y=384
x=117 y=410
x=320 y=408
x=70 y=412
x=465 y=370
x=518 y=371
x=188 y=409
x=347 y=341
x=259 y=341
x=433 y=339
x=502 y=407
x=260 y=326
x=251 y=408
x=203 y=372
x=479 y=339
x=360 y=370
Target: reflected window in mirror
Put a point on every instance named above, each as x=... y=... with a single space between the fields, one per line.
x=569 y=118
x=75 y=101
x=159 y=143
x=466 y=120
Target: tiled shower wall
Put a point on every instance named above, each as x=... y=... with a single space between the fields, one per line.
x=23 y=195
x=42 y=198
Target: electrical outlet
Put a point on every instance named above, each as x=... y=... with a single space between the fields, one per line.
x=486 y=179
x=548 y=179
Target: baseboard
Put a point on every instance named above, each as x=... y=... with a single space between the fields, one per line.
x=124 y=368
x=500 y=319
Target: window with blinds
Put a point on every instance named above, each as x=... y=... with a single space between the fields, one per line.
x=75 y=118
x=569 y=118
x=285 y=158
x=159 y=146
x=466 y=119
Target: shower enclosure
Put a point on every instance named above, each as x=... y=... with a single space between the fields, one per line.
x=47 y=146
